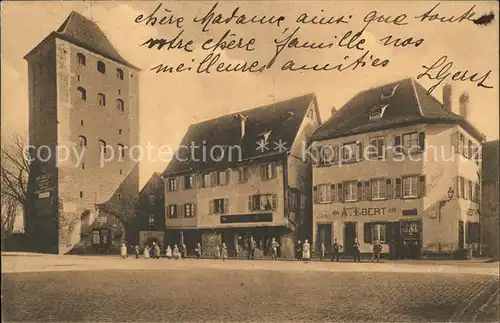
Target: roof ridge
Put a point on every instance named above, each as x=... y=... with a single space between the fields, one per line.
x=312 y=94
x=416 y=96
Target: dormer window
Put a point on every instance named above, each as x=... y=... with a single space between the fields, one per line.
x=377 y=112
x=388 y=92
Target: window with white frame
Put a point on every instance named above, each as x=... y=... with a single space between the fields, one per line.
x=172 y=211
x=222 y=177
x=172 y=184
x=410 y=141
x=351 y=191
x=324 y=192
x=378 y=232
x=378 y=189
x=410 y=186
x=377 y=148
x=189 y=210
x=188 y=182
x=101 y=67
x=349 y=152
x=220 y=206
x=262 y=202
x=268 y=171
x=206 y=180
x=243 y=174
x=327 y=155
x=151 y=199
x=119 y=73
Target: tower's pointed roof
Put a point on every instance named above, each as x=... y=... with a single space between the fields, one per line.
x=85 y=33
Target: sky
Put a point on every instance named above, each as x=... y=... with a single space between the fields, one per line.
x=169 y=103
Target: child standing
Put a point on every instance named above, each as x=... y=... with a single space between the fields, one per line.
x=216 y=252
x=322 y=249
x=146 y=252
x=197 y=250
x=168 y=252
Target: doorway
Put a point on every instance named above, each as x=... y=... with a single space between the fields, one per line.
x=325 y=236
x=349 y=235
x=461 y=234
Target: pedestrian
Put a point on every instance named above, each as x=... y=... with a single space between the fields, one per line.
x=237 y=250
x=392 y=249
x=274 y=249
x=357 y=253
x=184 y=251
x=298 y=250
x=377 y=248
x=156 y=251
x=216 y=252
x=146 y=252
x=251 y=248
x=123 y=251
x=224 y=251
x=197 y=250
x=306 y=251
x=336 y=250
x=322 y=250
x=175 y=253
x=137 y=251
x=168 y=252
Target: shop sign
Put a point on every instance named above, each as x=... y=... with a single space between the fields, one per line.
x=358 y=211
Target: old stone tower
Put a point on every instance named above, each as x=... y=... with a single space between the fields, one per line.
x=84 y=119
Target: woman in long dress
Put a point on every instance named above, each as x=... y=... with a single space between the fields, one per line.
x=216 y=252
x=176 y=252
x=146 y=252
x=224 y=251
x=168 y=252
x=306 y=251
x=123 y=251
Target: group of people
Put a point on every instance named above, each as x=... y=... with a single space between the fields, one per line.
x=337 y=247
x=302 y=251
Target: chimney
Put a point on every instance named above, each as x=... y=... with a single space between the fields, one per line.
x=448 y=97
x=334 y=111
x=464 y=104
x=243 y=121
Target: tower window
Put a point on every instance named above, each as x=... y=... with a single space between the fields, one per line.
x=82 y=93
x=82 y=142
x=78 y=77
x=101 y=67
x=121 y=172
x=102 y=146
x=119 y=91
x=120 y=105
x=81 y=59
x=102 y=99
x=121 y=151
x=81 y=123
x=81 y=194
x=119 y=131
x=119 y=74
x=83 y=165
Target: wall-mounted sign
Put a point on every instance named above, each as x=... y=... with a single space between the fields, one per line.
x=471 y=212
x=357 y=211
x=410 y=212
x=245 y=218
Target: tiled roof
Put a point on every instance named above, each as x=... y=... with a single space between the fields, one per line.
x=85 y=33
x=410 y=104
x=282 y=119
x=491 y=155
